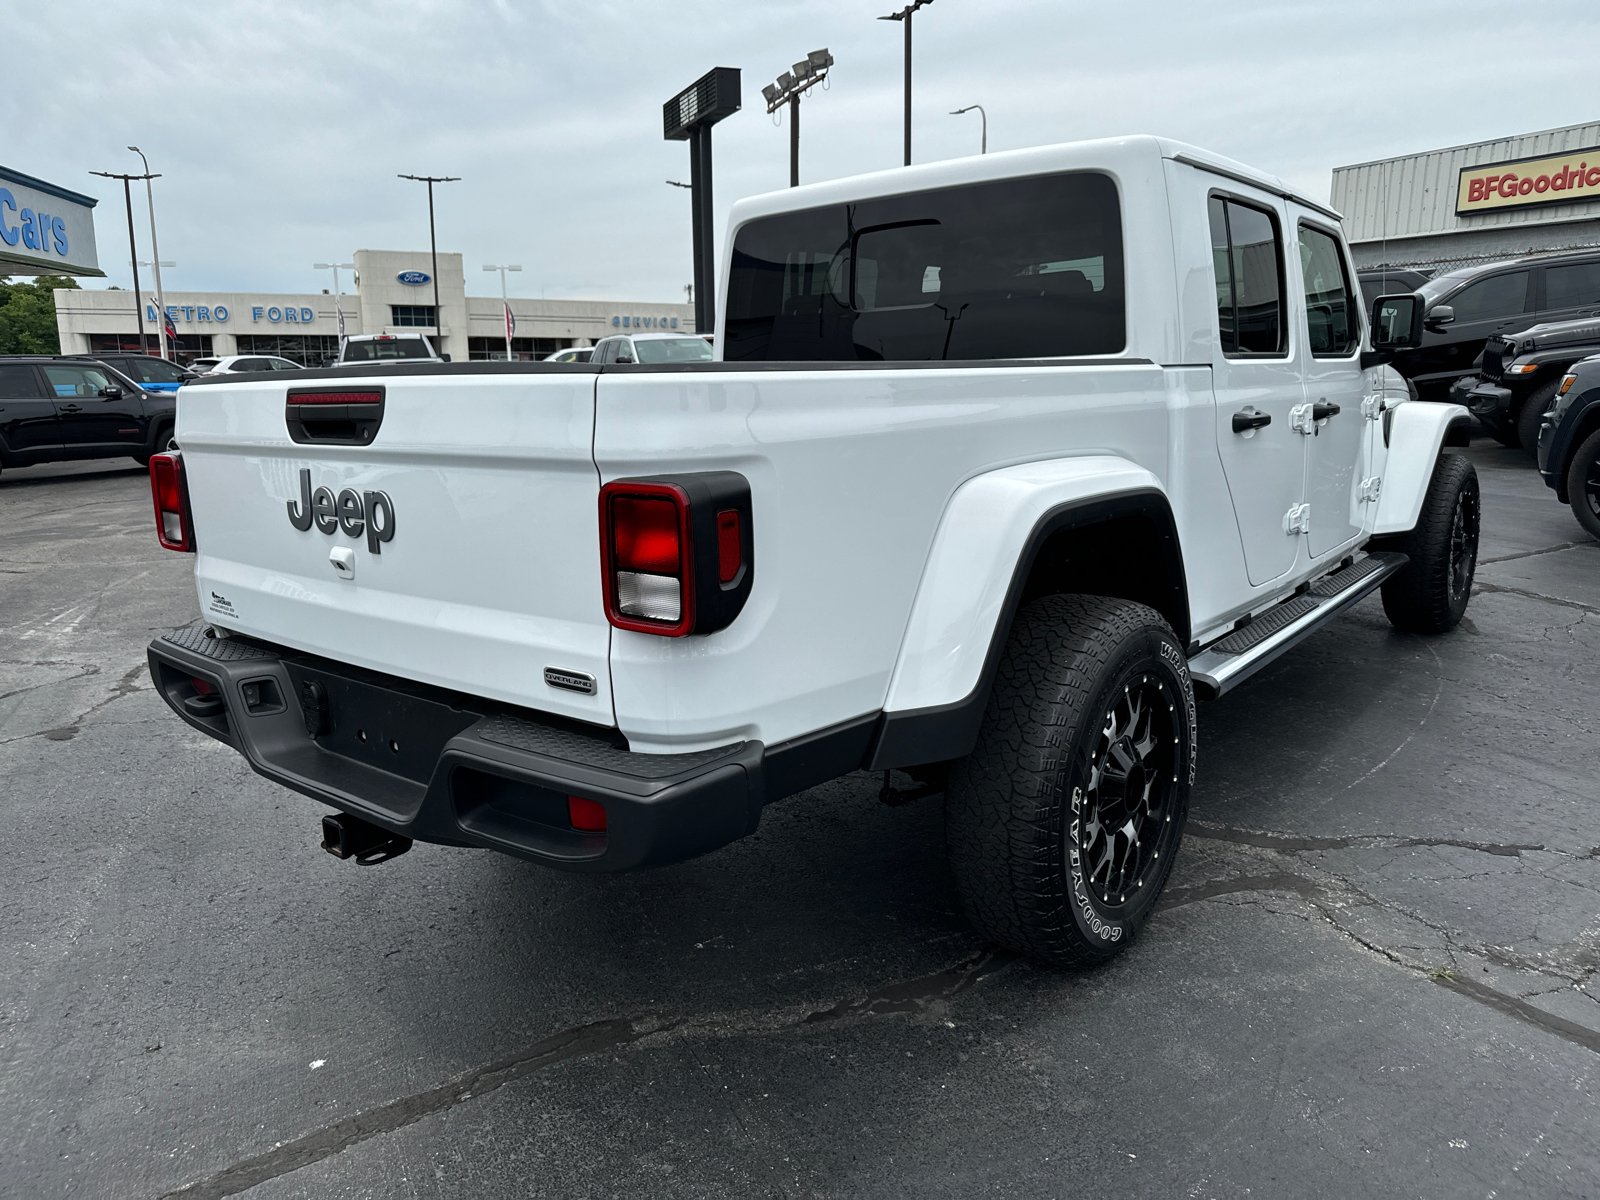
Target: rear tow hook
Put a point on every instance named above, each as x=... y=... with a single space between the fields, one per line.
x=344 y=836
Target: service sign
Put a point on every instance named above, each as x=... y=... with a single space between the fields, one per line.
x=1560 y=179
x=45 y=229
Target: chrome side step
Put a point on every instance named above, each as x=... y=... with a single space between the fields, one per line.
x=1226 y=663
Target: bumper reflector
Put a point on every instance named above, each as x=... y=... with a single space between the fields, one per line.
x=587 y=816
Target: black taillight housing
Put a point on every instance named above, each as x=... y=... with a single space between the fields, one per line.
x=677 y=552
x=170 y=491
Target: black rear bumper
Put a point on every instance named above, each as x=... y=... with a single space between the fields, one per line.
x=440 y=767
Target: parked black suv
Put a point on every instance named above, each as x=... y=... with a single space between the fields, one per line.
x=1388 y=281
x=149 y=372
x=1519 y=374
x=62 y=408
x=1467 y=307
x=1569 y=443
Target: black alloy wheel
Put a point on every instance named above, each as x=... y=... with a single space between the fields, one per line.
x=1583 y=484
x=1125 y=813
x=1430 y=594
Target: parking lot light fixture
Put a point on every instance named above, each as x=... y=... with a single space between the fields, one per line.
x=790 y=86
x=984 y=144
x=433 y=246
x=155 y=250
x=905 y=15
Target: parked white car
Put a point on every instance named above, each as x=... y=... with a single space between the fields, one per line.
x=579 y=354
x=1002 y=462
x=652 y=348
x=379 y=349
x=235 y=364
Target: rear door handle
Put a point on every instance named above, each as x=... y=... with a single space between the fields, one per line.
x=71 y=408
x=1247 y=418
x=1322 y=410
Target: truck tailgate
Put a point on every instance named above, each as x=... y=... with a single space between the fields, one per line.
x=491 y=576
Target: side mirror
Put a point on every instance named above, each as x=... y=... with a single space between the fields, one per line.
x=111 y=392
x=446 y=357
x=1397 y=322
x=1439 y=316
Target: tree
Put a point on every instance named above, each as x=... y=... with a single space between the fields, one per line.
x=28 y=315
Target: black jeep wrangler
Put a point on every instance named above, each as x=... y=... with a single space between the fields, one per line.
x=1519 y=375
x=54 y=408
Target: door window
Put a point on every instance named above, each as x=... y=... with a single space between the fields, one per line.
x=1572 y=286
x=1330 y=306
x=1497 y=296
x=1247 y=254
x=68 y=383
x=18 y=382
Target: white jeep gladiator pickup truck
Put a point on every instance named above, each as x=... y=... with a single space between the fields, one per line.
x=1000 y=463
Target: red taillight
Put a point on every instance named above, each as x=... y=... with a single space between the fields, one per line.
x=299 y=397
x=174 y=525
x=587 y=816
x=730 y=553
x=647 y=557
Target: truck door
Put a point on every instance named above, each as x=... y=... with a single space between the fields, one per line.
x=29 y=424
x=1336 y=430
x=1258 y=381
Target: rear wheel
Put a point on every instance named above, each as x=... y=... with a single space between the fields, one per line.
x=1583 y=484
x=157 y=445
x=1430 y=594
x=1064 y=821
x=1533 y=413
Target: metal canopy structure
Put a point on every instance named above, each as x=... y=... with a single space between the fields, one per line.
x=45 y=229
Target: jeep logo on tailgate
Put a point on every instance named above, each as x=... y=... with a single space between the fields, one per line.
x=352 y=511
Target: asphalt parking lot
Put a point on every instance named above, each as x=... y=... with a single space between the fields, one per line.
x=1373 y=973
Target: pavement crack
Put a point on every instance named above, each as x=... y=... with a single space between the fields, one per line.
x=1521 y=1010
x=582 y=1041
x=1480 y=586
x=65 y=733
x=1485 y=562
x=1291 y=844
x=1278 y=881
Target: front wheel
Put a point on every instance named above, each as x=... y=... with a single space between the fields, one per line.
x=1533 y=413
x=1583 y=484
x=1064 y=821
x=1430 y=594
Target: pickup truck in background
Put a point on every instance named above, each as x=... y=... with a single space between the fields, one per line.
x=1001 y=462
x=376 y=349
x=1519 y=374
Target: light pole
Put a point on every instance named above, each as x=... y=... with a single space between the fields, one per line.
x=338 y=307
x=133 y=249
x=505 y=302
x=791 y=85
x=433 y=245
x=985 y=143
x=905 y=15
x=155 y=250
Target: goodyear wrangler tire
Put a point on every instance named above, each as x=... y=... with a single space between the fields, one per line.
x=1064 y=821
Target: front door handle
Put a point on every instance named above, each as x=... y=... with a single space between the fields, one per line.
x=1322 y=410
x=71 y=408
x=1247 y=418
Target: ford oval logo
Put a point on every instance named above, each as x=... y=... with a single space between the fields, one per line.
x=414 y=278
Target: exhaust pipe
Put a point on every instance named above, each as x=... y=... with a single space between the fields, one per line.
x=344 y=836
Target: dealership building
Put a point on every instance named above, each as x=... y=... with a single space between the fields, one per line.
x=1529 y=194
x=393 y=292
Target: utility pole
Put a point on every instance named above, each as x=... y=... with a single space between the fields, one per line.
x=905 y=15
x=433 y=246
x=688 y=117
x=133 y=249
x=790 y=86
x=155 y=251
x=338 y=296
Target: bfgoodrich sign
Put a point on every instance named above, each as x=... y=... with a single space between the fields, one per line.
x=1558 y=179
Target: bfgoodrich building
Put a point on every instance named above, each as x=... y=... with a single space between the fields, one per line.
x=393 y=292
x=1528 y=194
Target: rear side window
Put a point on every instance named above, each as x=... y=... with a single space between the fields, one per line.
x=146 y=369
x=1017 y=268
x=1330 y=307
x=18 y=382
x=1497 y=296
x=1572 y=286
x=1247 y=255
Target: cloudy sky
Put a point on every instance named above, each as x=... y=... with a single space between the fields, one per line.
x=279 y=127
